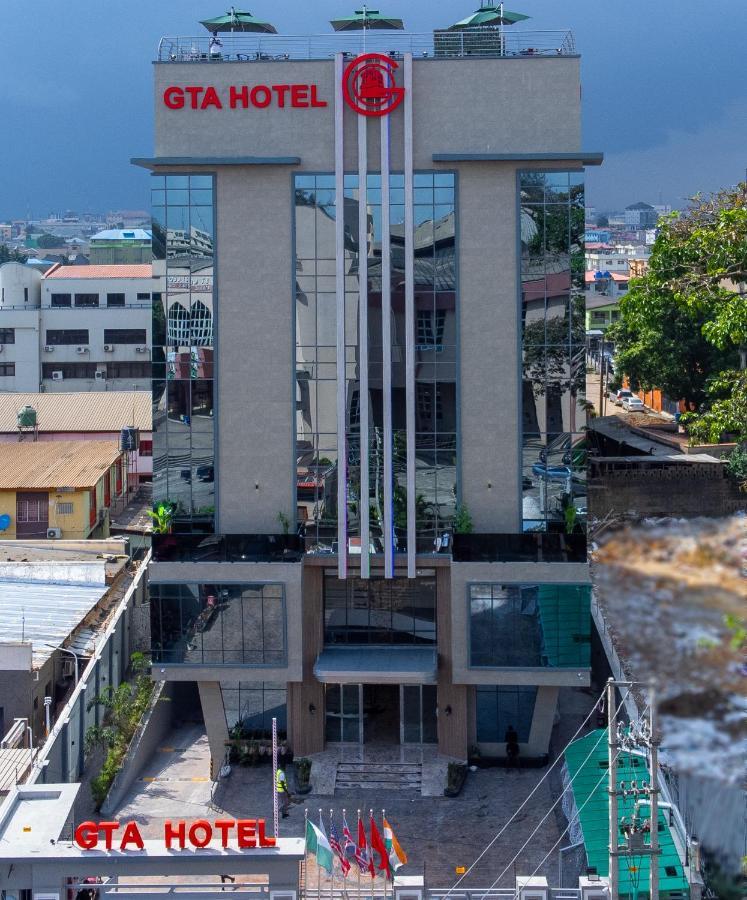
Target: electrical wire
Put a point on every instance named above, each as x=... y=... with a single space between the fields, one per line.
x=541 y=822
x=528 y=798
x=571 y=821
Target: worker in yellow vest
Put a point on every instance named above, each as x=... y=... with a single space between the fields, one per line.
x=281 y=789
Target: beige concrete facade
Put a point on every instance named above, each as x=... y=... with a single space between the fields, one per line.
x=524 y=110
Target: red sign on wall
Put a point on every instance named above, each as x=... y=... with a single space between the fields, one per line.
x=176 y=835
x=368 y=85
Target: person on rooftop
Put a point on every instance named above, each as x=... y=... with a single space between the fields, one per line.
x=215 y=46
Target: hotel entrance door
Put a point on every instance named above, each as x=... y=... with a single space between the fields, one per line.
x=380 y=713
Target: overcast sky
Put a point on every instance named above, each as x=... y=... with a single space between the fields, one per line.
x=663 y=90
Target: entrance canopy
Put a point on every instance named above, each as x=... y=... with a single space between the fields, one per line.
x=377 y=665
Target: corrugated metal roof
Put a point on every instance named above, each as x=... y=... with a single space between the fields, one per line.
x=53 y=464
x=590 y=792
x=45 y=613
x=143 y=270
x=79 y=411
x=122 y=234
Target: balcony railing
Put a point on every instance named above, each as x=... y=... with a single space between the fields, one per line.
x=470 y=43
x=529 y=547
x=227 y=548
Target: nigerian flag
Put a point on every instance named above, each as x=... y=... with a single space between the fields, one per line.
x=317 y=843
x=397 y=856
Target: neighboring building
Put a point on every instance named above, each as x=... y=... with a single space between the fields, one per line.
x=338 y=426
x=603 y=292
x=61 y=489
x=20 y=293
x=77 y=328
x=641 y=215
x=120 y=246
x=80 y=590
x=82 y=417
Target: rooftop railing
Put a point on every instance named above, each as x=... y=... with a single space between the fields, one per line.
x=470 y=43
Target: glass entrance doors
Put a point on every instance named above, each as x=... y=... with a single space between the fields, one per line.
x=380 y=713
x=418 y=714
x=343 y=718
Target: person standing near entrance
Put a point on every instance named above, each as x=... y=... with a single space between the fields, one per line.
x=281 y=789
x=512 y=746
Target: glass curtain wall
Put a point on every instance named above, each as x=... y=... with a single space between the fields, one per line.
x=502 y=707
x=530 y=625
x=183 y=349
x=553 y=344
x=435 y=357
x=251 y=706
x=218 y=624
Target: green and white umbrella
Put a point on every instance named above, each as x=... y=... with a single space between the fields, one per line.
x=489 y=15
x=367 y=20
x=238 y=20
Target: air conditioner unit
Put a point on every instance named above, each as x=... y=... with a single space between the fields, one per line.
x=532 y=888
x=54 y=533
x=68 y=668
x=81 y=349
x=57 y=375
x=48 y=348
x=141 y=349
x=100 y=376
x=108 y=348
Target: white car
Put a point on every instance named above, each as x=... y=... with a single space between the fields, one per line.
x=633 y=404
x=621 y=395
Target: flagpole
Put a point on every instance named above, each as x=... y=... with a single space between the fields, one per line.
x=318 y=869
x=332 y=873
x=356 y=863
x=305 y=848
x=383 y=816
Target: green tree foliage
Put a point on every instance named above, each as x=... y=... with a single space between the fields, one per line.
x=8 y=255
x=46 y=241
x=123 y=708
x=683 y=326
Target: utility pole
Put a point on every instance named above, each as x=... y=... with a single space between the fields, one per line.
x=614 y=860
x=654 y=820
x=601 y=378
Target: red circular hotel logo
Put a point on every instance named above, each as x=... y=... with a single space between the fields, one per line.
x=368 y=85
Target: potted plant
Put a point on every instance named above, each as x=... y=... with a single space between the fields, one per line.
x=303 y=775
x=456 y=775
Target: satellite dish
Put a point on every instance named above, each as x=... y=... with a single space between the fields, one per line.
x=4 y=522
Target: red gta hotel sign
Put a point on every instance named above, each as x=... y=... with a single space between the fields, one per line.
x=177 y=835
x=367 y=85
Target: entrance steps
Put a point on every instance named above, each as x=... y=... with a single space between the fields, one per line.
x=389 y=776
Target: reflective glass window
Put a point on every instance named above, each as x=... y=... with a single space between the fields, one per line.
x=529 y=625
x=502 y=707
x=218 y=624
x=316 y=208
x=183 y=351
x=553 y=351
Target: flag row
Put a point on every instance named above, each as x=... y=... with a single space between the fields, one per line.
x=355 y=853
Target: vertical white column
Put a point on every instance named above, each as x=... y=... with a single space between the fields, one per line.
x=365 y=492
x=409 y=319
x=386 y=343
x=342 y=453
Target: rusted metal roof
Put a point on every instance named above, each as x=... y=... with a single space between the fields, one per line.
x=79 y=411
x=55 y=464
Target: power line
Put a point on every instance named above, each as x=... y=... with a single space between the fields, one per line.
x=560 y=797
x=529 y=797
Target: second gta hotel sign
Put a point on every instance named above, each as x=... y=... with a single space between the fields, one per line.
x=368 y=87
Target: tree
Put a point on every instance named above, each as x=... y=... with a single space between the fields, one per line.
x=45 y=241
x=683 y=326
x=8 y=255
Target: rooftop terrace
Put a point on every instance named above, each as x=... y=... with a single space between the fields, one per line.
x=469 y=43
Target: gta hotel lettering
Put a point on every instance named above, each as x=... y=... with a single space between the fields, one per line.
x=243 y=96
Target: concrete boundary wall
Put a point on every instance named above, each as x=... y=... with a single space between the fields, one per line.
x=155 y=725
x=61 y=758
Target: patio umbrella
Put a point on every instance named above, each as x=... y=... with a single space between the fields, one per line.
x=238 y=20
x=489 y=14
x=367 y=19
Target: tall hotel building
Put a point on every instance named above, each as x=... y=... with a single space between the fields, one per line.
x=368 y=386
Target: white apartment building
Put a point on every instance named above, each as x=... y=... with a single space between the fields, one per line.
x=76 y=328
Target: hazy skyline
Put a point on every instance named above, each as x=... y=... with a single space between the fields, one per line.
x=663 y=92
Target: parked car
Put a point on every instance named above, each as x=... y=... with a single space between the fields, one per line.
x=621 y=395
x=633 y=404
